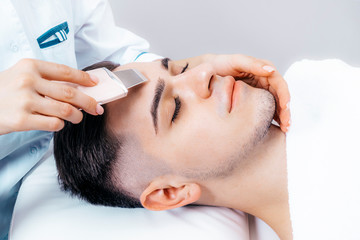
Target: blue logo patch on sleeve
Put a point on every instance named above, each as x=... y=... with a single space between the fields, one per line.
x=54 y=35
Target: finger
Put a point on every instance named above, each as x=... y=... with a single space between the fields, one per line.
x=262 y=82
x=44 y=123
x=53 y=108
x=283 y=127
x=285 y=118
x=68 y=94
x=278 y=83
x=252 y=65
x=282 y=116
x=275 y=94
x=279 y=116
x=60 y=72
x=279 y=88
x=237 y=64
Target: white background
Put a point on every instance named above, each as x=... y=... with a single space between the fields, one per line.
x=282 y=31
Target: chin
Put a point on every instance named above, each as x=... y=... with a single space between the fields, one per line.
x=266 y=108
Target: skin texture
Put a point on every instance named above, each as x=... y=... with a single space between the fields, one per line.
x=218 y=151
x=205 y=103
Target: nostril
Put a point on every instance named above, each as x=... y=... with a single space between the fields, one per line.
x=212 y=77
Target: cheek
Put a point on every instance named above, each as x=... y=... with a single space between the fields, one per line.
x=205 y=139
x=203 y=136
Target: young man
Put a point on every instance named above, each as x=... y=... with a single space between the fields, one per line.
x=190 y=136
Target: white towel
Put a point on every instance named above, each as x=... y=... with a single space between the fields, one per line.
x=323 y=150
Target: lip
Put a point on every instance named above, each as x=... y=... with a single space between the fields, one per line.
x=235 y=95
x=230 y=93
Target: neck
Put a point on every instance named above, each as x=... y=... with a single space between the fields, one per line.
x=260 y=188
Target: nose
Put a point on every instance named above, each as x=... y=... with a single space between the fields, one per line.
x=198 y=79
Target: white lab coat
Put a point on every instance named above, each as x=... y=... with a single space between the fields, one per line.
x=91 y=37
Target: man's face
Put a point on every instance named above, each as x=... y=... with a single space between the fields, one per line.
x=197 y=123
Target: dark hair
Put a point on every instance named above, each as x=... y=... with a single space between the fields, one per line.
x=85 y=156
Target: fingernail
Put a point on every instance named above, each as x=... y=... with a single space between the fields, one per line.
x=269 y=69
x=94 y=79
x=99 y=109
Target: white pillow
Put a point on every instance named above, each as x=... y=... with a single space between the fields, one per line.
x=43 y=211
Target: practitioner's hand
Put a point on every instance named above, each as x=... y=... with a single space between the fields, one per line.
x=257 y=73
x=30 y=100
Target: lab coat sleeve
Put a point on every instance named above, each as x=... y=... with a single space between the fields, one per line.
x=97 y=38
x=19 y=152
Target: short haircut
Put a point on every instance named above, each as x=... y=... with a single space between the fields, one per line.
x=86 y=154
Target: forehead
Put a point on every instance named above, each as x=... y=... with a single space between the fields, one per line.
x=131 y=115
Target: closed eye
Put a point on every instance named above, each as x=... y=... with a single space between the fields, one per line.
x=177 y=109
x=184 y=69
x=177 y=99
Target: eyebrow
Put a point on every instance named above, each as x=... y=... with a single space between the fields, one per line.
x=165 y=63
x=159 y=89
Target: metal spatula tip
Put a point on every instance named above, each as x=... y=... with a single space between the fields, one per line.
x=130 y=77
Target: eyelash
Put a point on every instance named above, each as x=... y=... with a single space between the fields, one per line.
x=184 y=69
x=177 y=100
x=177 y=109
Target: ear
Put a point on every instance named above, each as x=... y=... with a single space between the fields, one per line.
x=159 y=196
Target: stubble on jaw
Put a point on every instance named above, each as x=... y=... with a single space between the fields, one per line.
x=265 y=115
